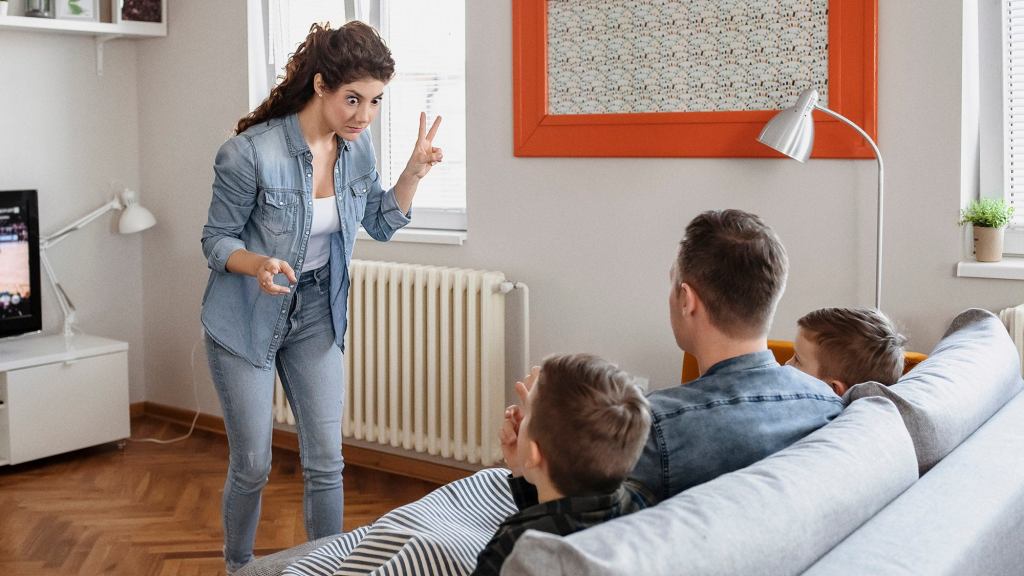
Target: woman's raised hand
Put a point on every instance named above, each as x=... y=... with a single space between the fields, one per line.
x=424 y=154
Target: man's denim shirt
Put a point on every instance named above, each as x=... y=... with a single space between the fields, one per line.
x=741 y=410
x=263 y=202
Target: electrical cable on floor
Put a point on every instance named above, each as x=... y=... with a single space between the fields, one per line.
x=195 y=394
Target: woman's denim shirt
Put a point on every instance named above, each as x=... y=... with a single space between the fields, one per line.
x=263 y=202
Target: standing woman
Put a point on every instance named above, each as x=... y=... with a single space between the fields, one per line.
x=289 y=191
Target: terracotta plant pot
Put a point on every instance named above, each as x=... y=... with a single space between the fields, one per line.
x=988 y=244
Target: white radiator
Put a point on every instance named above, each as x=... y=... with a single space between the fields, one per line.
x=1013 y=318
x=424 y=360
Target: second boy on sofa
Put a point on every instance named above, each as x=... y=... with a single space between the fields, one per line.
x=847 y=346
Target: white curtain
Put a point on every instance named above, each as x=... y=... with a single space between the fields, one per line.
x=275 y=28
x=363 y=10
x=279 y=33
x=259 y=82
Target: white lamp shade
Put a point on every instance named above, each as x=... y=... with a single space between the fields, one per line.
x=134 y=219
x=791 y=131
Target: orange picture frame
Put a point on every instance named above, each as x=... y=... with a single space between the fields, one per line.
x=853 y=81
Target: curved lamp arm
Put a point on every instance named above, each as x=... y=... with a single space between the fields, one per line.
x=791 y=132
x=61 y=234
x=881 y=196
x=66 y=306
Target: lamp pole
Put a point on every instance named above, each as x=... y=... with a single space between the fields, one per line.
x=881 y=196
x=791 y=132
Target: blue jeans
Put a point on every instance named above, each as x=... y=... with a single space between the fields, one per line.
x=311 y=369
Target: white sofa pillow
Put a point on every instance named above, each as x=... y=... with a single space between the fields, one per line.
x=973 y=371
x=775 y=517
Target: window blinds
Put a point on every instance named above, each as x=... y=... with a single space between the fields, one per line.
x=428 y=42
x=1013 y=94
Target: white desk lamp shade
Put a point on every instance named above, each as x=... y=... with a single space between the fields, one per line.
x=134 y=218
x=791 y=131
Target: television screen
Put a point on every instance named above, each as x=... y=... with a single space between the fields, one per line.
x=20 y=306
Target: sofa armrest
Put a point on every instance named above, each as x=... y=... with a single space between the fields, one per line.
x=965 y=516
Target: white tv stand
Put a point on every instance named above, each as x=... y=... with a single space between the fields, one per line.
x=60 y=394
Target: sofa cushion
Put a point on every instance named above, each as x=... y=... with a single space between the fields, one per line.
x=969 y=376
x=966 y=516
x=774 y=517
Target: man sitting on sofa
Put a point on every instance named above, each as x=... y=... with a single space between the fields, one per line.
x=729 y=274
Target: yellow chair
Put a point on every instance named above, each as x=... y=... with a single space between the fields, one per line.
x=783 y=350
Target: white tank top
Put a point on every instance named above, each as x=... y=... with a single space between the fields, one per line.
x=325 y=222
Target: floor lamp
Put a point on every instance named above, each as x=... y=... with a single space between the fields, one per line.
x=791 y=132
x=134 y=218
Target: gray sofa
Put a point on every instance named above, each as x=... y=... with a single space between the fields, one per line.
x=923 y=477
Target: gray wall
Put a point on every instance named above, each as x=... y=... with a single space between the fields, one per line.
x=594 y=238
x=192 y=89
x=73 y=135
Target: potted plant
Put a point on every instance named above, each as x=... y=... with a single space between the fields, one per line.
x=988 y=217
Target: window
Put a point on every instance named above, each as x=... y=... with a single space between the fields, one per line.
x=428 y=42
x=1001 y=109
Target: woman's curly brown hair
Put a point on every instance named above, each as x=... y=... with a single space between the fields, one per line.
x=341 y=56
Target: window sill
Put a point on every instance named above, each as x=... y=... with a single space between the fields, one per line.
x=1010 y=268
x=423 y=236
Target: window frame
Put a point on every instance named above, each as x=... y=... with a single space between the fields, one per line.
x=993 y=114
x=425 y=219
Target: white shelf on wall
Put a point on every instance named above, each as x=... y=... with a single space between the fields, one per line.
x=99 y=29
x=102 y=32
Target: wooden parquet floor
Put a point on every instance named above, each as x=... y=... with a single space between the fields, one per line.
x=154 y=509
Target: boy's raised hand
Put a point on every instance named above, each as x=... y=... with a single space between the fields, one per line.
x=527 y=383
x=509 y=433
x=509 y=436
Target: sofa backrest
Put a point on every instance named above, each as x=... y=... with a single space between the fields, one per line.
x=965 y=516
x=777 y=516
x=972 y=372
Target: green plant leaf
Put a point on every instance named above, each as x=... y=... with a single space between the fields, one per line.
x=987 y=213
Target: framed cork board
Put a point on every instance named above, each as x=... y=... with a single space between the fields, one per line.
x=697 y=78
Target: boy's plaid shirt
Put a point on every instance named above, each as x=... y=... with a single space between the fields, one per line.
x=563 y=517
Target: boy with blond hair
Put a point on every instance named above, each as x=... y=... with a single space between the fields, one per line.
x=846 y=346
x=571 y=443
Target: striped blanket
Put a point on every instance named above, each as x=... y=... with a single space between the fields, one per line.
x=441 y=533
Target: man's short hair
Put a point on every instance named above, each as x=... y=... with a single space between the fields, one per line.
x=590 y=420
x=855 y=345
x=738 y=267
